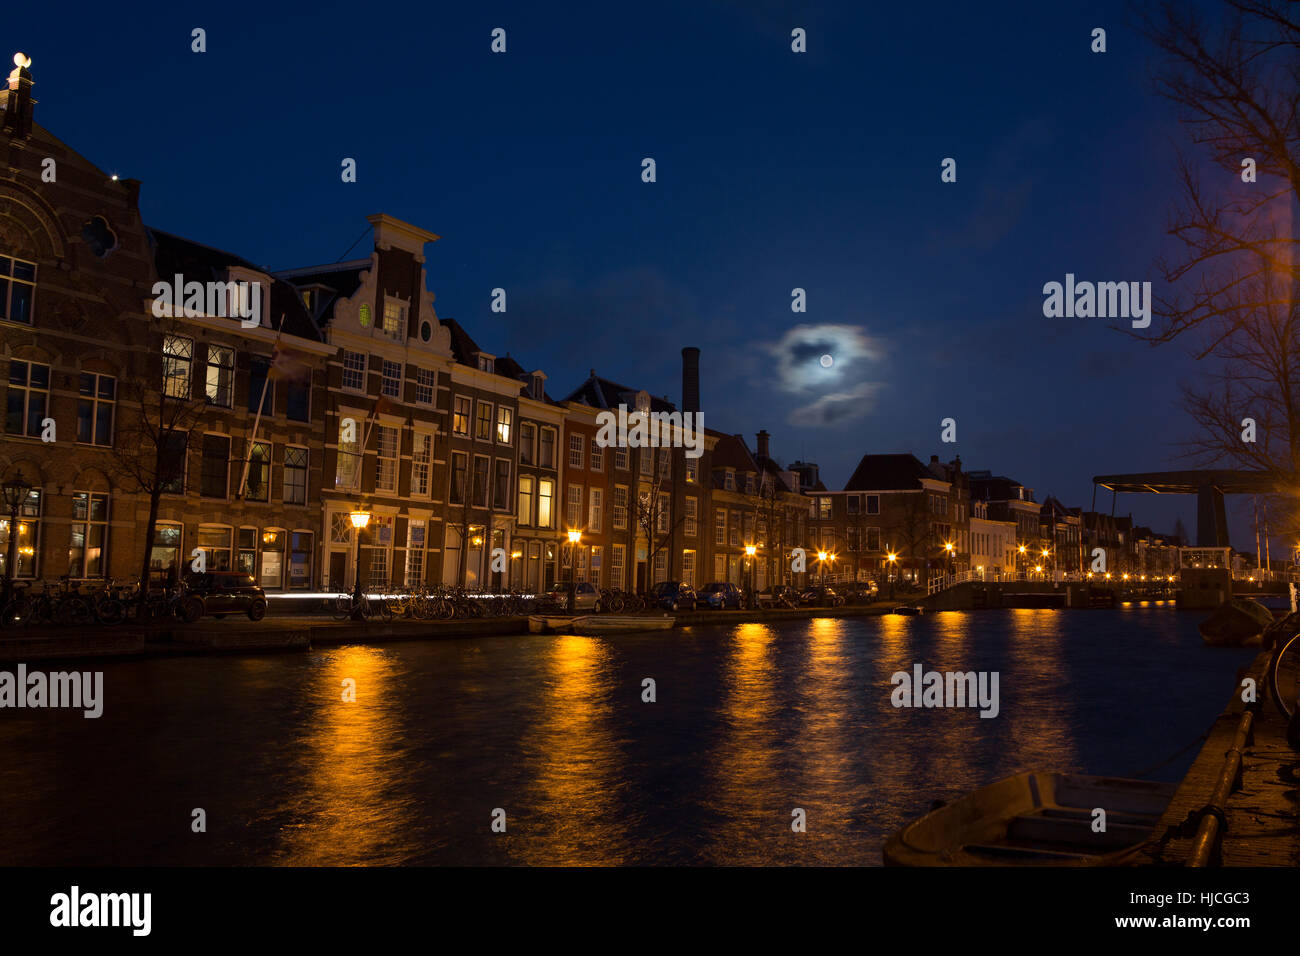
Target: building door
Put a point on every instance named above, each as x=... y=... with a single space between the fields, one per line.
x=640 y=577
x=338 y=580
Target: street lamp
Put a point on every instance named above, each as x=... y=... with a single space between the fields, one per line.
x=574 y=538
x=360 y=518
x=15 y=492
x=892 y=558
x=952 y=558
x=750 y=551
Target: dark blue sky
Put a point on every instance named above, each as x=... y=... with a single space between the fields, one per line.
x=775 y=170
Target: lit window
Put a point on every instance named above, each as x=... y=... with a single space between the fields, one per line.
x=395 y=319
x=88 y=545
x=504 y=419
x=460 y=416
x=178 y=354
x=221 y=375
x=257 y=487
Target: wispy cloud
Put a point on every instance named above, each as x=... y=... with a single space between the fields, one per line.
x=828 y=367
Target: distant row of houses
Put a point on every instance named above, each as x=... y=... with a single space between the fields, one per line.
x=151 y=437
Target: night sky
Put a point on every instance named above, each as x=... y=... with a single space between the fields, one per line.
x=775 y=170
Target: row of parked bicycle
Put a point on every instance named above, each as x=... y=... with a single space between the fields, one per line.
x=219 y=593
x=719 y=595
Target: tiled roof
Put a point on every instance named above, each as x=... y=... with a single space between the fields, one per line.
x=602 y=393
x=888 y=473
x=731 y=452
x=200 y=263
x=463 y=346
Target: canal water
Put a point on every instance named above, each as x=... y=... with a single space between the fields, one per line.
x=750 y=722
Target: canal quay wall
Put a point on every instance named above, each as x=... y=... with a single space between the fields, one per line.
x=978 y=595
x=295 y=633
x=1243 y=785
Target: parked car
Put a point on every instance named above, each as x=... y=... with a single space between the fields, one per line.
x=721 y=595
x=781 y=595
x=864 y=592
x=821 y=596
x=586 y=597
x=675 y=595
x=228 y=592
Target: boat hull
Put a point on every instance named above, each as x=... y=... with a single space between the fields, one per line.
x=621 y=624
x=1239 y=623
x=1035 y=819
x=597 y=623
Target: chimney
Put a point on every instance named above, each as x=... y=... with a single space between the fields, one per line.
x=690 y=379
x=18 y=100
x=763 y=436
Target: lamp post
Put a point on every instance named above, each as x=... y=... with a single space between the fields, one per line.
x=750 y=551
x=1020 y=557
x=892 y=557
x=360 y=518
x=1046 y=553
x=950 y=548
x=574 y=538
x=821 y=568
x=15 y=493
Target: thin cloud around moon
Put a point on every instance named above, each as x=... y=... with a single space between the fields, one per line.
x=830 y=393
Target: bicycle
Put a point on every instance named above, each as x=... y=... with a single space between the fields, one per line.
x=1283 y=674
x=20 y=607
x=364 y=608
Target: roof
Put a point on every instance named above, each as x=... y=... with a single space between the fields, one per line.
x=199 y=263
x=602 y=393
x=888 y=473
x=731 y=452
x=463 y=347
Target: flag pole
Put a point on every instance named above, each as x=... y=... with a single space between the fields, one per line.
x=371 y=418
x=257 y=419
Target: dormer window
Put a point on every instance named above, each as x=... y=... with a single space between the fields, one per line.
x=539 y=387
x=484 y=363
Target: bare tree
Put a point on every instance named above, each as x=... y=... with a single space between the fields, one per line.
x=1233 y=286
x=911 y=531
x=653 y=515
x=150 y=452
x=771 y=505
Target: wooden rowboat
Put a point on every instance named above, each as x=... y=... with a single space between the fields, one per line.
x=1239 y=623
x=548 y=623
x=1035 y=819
x=598 y=623
x=621 y=623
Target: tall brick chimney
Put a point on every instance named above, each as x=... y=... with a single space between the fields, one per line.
x=18 y=102
x=690 y=379
x=763 y=437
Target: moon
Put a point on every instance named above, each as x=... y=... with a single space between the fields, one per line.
x=827 y=361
